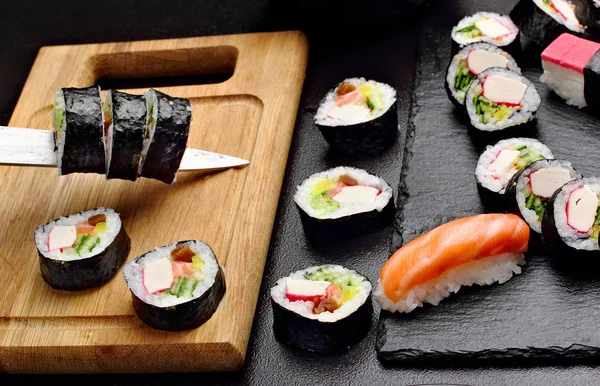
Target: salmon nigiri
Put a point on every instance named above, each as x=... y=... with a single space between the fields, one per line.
x=481 y=249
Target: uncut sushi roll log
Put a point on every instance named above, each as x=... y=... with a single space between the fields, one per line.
x=176 y=287
x=325 y=309
x=125 y=128
x=481 y=249
x=487 y=27
x=571 y=222
x=499 y=163
x=499 y=99
x=543 y=20
x=572 y=69
x=532 y=187
x=359 y=116
x=82 y=250
x=343 y=202
x=79 y=131
x=470 y=62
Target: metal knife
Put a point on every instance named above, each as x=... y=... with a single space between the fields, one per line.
x=33 y=147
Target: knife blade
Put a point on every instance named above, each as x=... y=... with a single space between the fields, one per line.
x=33 y=147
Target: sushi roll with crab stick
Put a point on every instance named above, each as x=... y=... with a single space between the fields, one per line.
x=343 y=202
x=571 y=222
x=499 y=98
x=82 y=250
x=499 y=163
x=176 y=287
x=544 y=20
x=359 y=116
x=325 y=309
x=532 y=187
x=470 y=62
x=487 y=27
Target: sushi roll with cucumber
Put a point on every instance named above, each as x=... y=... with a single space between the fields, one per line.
x=499 y=98
x=359 y=116
x=82 y=250
x=470 y=62
x=79 y=131
x=571 y=222
x=533 y=186
x=125 y=128
x=325 y=309
x=499 y=163
x=176 y=287
x=487 y=27
x=343 y=202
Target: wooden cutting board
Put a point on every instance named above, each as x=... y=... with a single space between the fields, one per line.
x=251 y=115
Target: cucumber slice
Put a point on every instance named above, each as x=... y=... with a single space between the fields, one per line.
x=88 y=244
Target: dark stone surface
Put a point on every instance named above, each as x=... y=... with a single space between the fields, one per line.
x=379 y=50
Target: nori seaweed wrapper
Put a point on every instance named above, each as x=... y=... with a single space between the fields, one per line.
x=129 y=128
x=170 y=138
x=84 y=138
x=591 y=82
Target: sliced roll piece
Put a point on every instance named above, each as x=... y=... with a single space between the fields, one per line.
x=125 y=128
x=499 y=98
x=343 y=202
x=167 y=131
x=176 y=287
x=78 y=131
x=487 y=27
x=325 y=309
x=82 y=250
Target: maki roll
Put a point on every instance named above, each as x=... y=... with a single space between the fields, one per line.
x=359 y=116
x=499 y=98
x=167 y=130
x=78 y=131
x=533 y=186
x=487 y=27
x=500 y=162
x=325 y=309
x=176 y=287
x=544 y=20
x=343 y=202
x=82 y=250
x=470 y=62
x=125 y=128
x=571 y=222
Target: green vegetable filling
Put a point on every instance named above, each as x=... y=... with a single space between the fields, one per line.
x=596 y=226
x=470 y=32
x=537 y=204
x=327 y=273
x=59 y=119
x=488 y=110
x=463 y=79
x=183 y=287
x=527 y=155
x=318 y=199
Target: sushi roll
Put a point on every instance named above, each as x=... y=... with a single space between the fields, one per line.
x=544 y=20
x=82 y=250
x=572 y=69
x=499 y=98
x=487 y=27
x=325 y=309
x=500 y=162
x=481 y=249
x=532 y=187
x=168 y=127
x=470 y=62
x=571 y=222
x=78 y=131
x=125 y=128
x=343 y=202
x=176 y=287
x=359 y=116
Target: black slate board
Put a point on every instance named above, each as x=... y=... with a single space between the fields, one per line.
x=549 y=313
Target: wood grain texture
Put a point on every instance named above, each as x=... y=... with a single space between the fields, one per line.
x=251 y=115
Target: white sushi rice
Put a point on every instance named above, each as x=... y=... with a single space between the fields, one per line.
x=490 y=154
x=133 y=274
x=499 y=268
x=151 y=106
x=573 y=25
x=362 y=177
x=59 y=104
x=305 y=308
x=568 y=89
x=570 y=236
x=471 y=20
x=113 y=226
x=328 y=103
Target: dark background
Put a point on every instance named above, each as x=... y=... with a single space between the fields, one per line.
x=375 y=39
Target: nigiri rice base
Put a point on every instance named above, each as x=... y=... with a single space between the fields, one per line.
x=499 y=268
